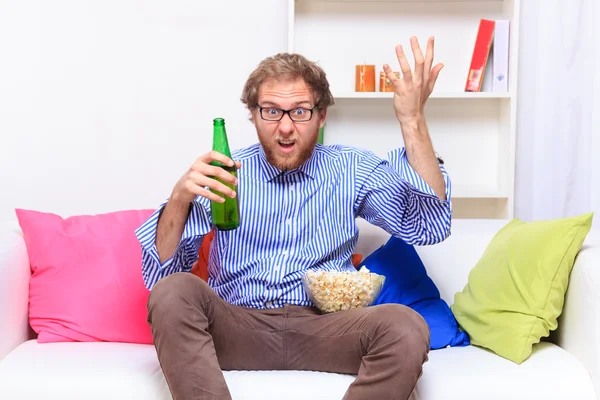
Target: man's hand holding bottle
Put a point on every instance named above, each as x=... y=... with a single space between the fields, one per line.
x=202 y=175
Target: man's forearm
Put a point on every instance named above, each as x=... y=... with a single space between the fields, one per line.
x=421 y=155
x=170 y=228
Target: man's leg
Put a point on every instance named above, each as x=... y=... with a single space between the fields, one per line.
x=197 y=335
x=385 y=345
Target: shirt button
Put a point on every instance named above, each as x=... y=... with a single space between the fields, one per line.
x=291 y=187
x=285 y=252
x=268 y=303
x=289 y=222
x=276 y=268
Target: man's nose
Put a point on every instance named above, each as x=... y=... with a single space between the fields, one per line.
x=286 y=125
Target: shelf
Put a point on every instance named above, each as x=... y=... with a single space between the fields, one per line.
x=401 y=1
x=474 y=132
x=439 y=95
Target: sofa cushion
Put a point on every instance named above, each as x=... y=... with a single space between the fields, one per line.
x=407 y=283
x=515 y=293
x=86 y=282
x=131 y=371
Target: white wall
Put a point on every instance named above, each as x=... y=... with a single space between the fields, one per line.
x=105 y=104
x=558 y=141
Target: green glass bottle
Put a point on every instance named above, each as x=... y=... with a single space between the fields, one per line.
x=226 y=215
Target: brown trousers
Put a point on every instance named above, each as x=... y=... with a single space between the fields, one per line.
x=197 y=335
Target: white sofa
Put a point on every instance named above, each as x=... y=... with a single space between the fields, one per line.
x=568 y=367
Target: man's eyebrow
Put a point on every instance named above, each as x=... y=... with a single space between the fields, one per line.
x=268 y=103
x=296 y=104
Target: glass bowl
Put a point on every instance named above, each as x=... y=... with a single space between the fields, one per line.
x=333 y=291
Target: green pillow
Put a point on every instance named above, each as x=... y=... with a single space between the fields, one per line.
x=515 y=292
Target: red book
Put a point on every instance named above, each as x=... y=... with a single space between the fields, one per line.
x=483 y=43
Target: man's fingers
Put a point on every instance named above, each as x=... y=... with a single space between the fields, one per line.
x=216 y=156
x=428 y=59
x=218 y=187
x=419 y=59
x=404 y=65
x=435 y=72
x=209 y=195
x=205 y=168
x=204 y=181
x=198 y=190
x=391 y=76
x=210 y=181
x=217 y=172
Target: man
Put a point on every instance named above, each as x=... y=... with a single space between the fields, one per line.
x=299 y=202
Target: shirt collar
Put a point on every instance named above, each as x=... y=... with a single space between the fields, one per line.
x=310 y=167
x=270 y=172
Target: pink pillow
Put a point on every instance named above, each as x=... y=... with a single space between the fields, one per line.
x=86 y=283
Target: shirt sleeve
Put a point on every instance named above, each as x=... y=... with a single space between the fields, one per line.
x=197 y=226
x=394 y=197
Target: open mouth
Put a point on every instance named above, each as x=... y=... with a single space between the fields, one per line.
x=286 y=146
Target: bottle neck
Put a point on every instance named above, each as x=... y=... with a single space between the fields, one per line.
x=220 y=143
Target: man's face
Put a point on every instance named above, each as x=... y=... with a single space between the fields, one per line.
x=287 y=144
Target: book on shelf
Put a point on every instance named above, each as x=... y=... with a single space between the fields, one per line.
x=488 y=71
x=487 y=85
x=500 y=50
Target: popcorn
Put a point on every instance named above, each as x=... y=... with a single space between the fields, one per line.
x=342 y=290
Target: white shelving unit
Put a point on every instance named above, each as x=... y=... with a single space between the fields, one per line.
x=473 y=132
x=436 y=95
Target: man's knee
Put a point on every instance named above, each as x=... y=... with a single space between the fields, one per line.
x=171 y=291
x=397 y=321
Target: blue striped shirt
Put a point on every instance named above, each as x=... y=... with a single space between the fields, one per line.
x=302 y=219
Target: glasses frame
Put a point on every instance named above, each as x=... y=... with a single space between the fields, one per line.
x=283 y=112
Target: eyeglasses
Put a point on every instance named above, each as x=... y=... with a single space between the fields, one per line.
x=273 y=114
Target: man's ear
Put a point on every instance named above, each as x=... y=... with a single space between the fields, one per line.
x=251 y=115
x=322 y=116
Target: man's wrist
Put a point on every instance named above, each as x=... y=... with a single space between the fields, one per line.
x=177 y=209
x=413 y=128
x=177 y=201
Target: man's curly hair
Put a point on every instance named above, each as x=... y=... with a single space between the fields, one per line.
x=284 y=66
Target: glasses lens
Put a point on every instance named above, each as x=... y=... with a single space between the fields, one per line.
x=271 y=114
x=300 y=114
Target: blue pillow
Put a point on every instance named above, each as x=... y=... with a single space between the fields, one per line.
x=407 y=283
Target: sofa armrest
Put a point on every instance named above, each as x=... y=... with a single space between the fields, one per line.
x=579 y=325
x=14 y=288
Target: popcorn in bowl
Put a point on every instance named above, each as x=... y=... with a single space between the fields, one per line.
x=334 y=291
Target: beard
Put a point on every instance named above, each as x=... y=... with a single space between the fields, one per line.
x=302 y=151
